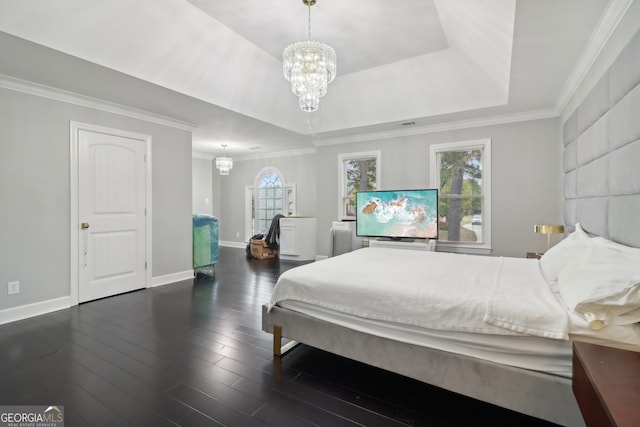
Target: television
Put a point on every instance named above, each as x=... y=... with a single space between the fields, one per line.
x=397 y=214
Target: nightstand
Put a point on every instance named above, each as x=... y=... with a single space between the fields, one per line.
x=606 y=383
x=536 y=255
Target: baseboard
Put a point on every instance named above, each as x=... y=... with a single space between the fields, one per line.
x=43 y=307
x=171 y=278
x=230 y=244
x=36 y=309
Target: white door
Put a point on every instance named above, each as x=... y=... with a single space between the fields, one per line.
x=111 y=211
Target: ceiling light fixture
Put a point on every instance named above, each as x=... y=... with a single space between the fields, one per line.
x=309 y=66
x=224 y=163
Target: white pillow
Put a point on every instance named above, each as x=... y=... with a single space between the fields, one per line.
x=573 y=247
x=605 y=285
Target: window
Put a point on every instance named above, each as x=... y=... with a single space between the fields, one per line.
x=462 y=173
x=358 y=172
x=269 y=197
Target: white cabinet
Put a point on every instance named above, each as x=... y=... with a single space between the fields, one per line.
x=298 y=238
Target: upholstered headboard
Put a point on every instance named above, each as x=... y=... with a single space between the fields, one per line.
x=602 y=154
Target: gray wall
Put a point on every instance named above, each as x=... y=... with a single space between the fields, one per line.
x=35 y=199
x=202 y=192
x=526 y=178
x=229 y=191
x=526 y=166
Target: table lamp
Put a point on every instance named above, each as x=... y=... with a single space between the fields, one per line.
x=548 y=229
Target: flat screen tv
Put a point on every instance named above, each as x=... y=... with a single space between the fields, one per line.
x=397 y=214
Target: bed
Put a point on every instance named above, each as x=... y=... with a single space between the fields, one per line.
x=601 y=140
x=496 y=329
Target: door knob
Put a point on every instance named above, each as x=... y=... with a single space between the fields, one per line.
x=84 y=225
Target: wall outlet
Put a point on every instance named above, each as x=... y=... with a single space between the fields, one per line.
x=237 y=234
x=13 y=288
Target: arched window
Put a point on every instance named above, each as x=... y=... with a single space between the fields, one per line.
x=268 y=196
x=268 y=199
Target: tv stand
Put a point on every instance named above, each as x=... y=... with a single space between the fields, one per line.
x=395 y=239
x=420 y=245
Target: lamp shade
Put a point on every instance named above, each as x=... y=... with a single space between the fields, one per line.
x=548 y=229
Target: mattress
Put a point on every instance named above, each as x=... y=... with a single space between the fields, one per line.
x=363 y=291
x=528 y=352
x=444 y=291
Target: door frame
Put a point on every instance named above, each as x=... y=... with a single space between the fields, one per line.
x=74 y=202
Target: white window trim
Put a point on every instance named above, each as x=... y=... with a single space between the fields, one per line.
x=287 y=187
x=483 y=248
x=249 y=192
x=341 y=181
x=256 y=180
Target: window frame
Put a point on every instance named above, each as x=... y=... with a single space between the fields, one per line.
x=344 y=157
x=289 y=188
x=483 y=247
x=256 y=198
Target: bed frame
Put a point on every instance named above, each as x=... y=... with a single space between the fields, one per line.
x=601 y=141
x=533 y=393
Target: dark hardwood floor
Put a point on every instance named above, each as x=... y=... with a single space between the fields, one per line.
x=193 y=354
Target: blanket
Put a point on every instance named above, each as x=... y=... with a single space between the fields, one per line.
x=443 y=291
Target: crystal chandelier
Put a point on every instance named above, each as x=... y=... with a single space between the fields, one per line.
x=309 y=66
x=224 y=163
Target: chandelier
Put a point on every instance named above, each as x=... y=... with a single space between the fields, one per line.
x=224 y=163
x=309 y=66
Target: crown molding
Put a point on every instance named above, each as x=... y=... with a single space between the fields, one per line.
x=615 y=11
x=546 y=113
x=298 y=152
x=56 y=94
x=442 y=127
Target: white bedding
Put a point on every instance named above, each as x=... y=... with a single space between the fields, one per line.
x=440 y=291
x=497 y=309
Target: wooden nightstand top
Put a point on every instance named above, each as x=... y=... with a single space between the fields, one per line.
x=606 y=383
